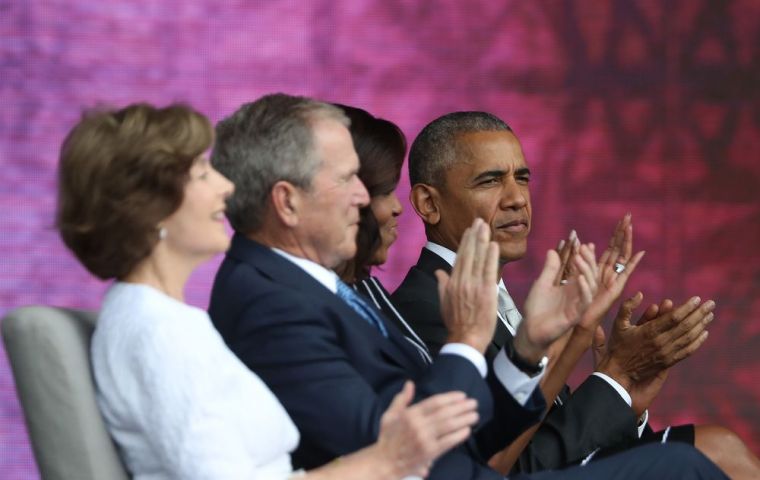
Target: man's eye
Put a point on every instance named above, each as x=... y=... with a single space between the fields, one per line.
x=523 y=179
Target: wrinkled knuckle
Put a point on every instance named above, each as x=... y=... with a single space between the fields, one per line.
x=693 y=334
x=663 y=353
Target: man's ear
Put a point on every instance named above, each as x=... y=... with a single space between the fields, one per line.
x=287 y=200
x=426 y=202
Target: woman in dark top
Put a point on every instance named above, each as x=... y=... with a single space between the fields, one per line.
x=381 y=147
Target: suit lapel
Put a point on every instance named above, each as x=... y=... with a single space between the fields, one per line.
x=429 y=262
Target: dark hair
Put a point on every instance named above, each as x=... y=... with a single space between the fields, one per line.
x=120 y=173
x=435 y=149
x=381 y=147
x=262 y=143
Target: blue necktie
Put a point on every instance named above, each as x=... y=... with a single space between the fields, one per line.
x=360 y=306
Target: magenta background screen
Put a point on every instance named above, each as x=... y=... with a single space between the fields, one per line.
x=651 y=107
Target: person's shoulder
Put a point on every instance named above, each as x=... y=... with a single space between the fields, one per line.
x=262 y=302
x=232 y=270
x=238 y=286
x=417 y=285
x=138 y=318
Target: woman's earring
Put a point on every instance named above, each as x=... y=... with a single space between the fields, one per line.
x=161 y=233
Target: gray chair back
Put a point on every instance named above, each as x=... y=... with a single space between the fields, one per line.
x=49 y=351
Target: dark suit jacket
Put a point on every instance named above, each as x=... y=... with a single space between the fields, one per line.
x=335 y=373
x=594 y=416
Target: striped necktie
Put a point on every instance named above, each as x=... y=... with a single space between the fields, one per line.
x=361 y=307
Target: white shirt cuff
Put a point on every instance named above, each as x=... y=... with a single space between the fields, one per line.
x=619 y=389
x=466 y=351
x=643 y=419
x=517 y=383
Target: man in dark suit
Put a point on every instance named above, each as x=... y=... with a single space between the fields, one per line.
x=332 y=360
x=468 y=165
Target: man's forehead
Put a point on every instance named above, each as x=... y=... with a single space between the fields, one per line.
x=336 y=150
x=327 y=127
x=497 y=149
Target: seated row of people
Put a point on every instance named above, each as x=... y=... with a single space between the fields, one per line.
x=296 y=359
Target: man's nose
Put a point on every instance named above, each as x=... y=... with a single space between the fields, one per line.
x=513 y=196
x=361 y=194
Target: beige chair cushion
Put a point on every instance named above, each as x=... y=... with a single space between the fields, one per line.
x=49 y=351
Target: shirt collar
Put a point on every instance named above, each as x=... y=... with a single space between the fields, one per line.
x=326 y=277
x=443 y=252
x=450 y=257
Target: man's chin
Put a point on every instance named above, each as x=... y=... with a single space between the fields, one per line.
x=511 y=254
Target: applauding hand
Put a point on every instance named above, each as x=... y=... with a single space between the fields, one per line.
x=551 y=308
x=411 y=437
x=468 y=295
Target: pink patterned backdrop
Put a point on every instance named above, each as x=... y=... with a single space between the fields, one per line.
x=651 y=107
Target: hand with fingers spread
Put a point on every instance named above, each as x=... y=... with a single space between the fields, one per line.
x=615 y=266
x=606 y=286
x=568 y=264
x=611 y=277
x=468 y=294
x=552 y=309
x=619 y=250
x=600 y=339
x=636 y=355
x=412 y=437
x=644 y=392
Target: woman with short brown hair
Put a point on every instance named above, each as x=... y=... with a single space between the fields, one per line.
x=121 y=174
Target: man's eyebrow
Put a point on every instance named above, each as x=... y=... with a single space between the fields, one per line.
x=489 y=174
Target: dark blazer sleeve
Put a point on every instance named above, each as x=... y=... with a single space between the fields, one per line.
x=594 y=416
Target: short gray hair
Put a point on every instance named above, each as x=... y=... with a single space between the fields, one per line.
x=264 y=142
x=435 y=148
